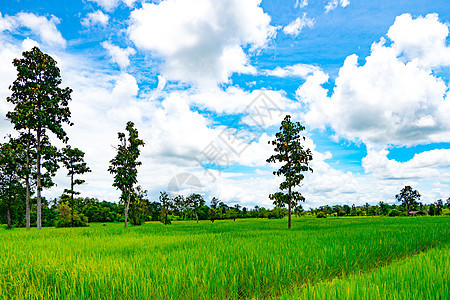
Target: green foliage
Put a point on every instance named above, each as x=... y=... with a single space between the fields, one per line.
x=394 y=213
x=278 y=213
x=290 y=151
x=68 y=218
x=124 y=164
x=321 y=215
x=408 y=197
x=166 y=207
x=139 y=207
x=40 y=105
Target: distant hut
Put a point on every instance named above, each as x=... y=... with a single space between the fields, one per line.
x=416 y=213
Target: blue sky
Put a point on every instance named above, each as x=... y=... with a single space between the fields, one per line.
x=369 y=81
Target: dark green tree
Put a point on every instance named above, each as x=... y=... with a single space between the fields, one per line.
x=11 y=188
x=408 y=197
x=73 y=161
x=124 y=164
x=290 y=151
x=195 y=201
x=214 y=210
x=139 y=203
x=40 y=106
x=166 y=207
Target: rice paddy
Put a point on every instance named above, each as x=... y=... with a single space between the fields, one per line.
x=245 y=259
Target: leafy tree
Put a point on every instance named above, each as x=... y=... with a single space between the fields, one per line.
x=408 y=197
x=139 y=206
x=73 y=161
x=40 y=105
x=66 y=217
x=11 y=188
x=124 y=164
x=195 y=201
x=166 y=206
x=439 y=206
x=291 y=152
x=214 y=210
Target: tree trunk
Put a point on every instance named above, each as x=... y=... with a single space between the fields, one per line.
x=38 y=184
x=8 y=215
x=127 y=205
x=196 y=216
x=27 y=184
x=289 y=208
x=71 y=189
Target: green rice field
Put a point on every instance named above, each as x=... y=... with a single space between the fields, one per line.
x=333 y=258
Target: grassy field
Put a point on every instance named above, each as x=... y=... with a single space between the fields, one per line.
x=226 y=259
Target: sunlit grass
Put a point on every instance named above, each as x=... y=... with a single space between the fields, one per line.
x=220 y=260
x=423 y=276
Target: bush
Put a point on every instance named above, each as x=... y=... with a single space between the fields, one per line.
x=321 y=215
x=277 y=213
x=394 y=213
x=65 y=217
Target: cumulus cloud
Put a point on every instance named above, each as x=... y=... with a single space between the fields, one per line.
x=94 y=18
x=119 y=55
x=421 y=40
x=424 y=166
x=42 y=27
x=201 y=41
x=333 y=4
x=388 y=100
x=295 y=27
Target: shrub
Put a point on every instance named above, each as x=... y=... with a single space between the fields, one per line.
x=394 y=213
x=65 y=217
x=321 y=215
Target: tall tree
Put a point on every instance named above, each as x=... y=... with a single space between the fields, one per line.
x=195 y=201
x=40 y=105
x=73 y=161
x=214 y=210
x=124 y=164
x=166 y=206
x=290 y=151
x=408 y=197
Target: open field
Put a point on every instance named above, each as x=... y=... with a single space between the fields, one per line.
x=225 y=259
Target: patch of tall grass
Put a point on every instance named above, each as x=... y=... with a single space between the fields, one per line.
x=220 y=260
x=423 y=276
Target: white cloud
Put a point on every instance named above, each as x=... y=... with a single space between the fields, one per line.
x=300 y=3
x=333 y=4
x=295 y=27
x=111 y=5
x=421 y=40
x=297 y=70
x=424 y=166
x=39 y=25
x=201 y=41
x=119 y=55
x=94 y=18
x=386 y=101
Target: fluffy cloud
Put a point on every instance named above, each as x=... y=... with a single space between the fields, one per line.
x=421 y=40
x=295 y=27
x=94 y=18
x=333 y=4
x=388 y=100
x=119 y=55
x=44 y=28
x=201 y=41
x=424 y=166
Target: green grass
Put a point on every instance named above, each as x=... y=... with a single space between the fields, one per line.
x=220 y=260
x=423 y=276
